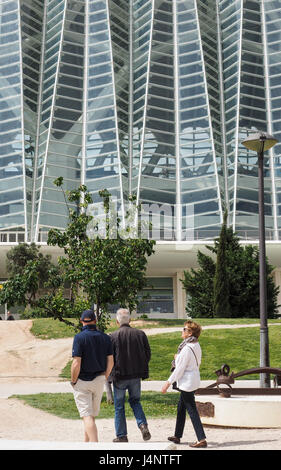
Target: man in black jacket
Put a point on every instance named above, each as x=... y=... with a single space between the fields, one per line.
x=131 y=352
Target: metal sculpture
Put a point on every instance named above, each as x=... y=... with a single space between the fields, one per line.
x=224 y=379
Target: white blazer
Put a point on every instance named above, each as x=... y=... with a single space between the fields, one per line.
x=186 y=373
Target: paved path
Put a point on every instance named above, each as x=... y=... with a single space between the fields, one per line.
x=8 y=389
x=155 y=331
x=20 y=422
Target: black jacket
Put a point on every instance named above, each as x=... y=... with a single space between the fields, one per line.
x=131 y=352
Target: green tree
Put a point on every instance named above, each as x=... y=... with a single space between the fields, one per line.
x=199 y=285
x=103 y=262
x=28 y=270
x=242 y=268
x=106 y=268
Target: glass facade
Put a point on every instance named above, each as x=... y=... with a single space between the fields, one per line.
x=144 y=97
x=156 y=300
x=158 y=297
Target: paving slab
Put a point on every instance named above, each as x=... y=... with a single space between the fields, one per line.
x=101 y=446
x=7 y=389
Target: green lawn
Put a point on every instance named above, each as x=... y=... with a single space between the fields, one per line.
x=48 y=328
x=155 y=405
x=239 y=348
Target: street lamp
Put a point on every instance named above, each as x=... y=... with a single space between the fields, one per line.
x=261 y=142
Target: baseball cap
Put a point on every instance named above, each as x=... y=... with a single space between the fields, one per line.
x=88 y=315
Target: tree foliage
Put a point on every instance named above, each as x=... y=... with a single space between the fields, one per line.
x=241 y=266
x=199 y=285
x=102 y=269
x=221 y=279
x=28 y=271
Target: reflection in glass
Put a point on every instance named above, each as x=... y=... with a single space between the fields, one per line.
x=145 y=98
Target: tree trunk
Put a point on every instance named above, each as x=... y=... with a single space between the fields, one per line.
x=109 y=394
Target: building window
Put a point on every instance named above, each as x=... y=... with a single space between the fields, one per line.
x=159 y=296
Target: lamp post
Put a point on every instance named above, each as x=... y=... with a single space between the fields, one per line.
x=260 y=143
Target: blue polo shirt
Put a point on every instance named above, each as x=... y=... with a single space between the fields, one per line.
x=93 y=346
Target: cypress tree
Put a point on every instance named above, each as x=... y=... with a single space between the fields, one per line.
x=221 y=280
x=227 y=283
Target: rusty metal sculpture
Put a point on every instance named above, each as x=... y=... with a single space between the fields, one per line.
x=225 y=380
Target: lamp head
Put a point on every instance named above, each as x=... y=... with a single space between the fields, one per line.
x=260 y=141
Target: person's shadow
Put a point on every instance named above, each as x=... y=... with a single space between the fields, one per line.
x=220 y=445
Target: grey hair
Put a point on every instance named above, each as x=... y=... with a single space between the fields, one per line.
x=123 y=316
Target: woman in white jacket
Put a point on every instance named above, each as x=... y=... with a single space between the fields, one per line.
x=186 y=375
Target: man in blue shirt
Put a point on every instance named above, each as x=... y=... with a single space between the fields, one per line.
x=92 y=363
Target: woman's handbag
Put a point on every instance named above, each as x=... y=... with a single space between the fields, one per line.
x=174 y=384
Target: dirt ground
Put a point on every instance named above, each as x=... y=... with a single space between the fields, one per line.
x=24 y=356
x=24 y=359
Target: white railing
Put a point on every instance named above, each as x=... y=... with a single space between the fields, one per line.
x=10 y=237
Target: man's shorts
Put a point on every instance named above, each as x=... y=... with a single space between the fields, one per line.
x=88 y=395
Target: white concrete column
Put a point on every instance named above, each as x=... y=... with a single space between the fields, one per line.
x=180 y=295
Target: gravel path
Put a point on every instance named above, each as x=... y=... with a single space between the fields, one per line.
x=21 y=422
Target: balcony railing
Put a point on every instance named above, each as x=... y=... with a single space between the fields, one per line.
x=10 y=237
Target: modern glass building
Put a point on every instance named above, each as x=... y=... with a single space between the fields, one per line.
x=144 y=97
x=151 y=97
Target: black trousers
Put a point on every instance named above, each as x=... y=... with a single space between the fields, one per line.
x=187 y=404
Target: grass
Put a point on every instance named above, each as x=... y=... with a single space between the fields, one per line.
x=155 y=405
x=48 y=328
x=239 y=348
